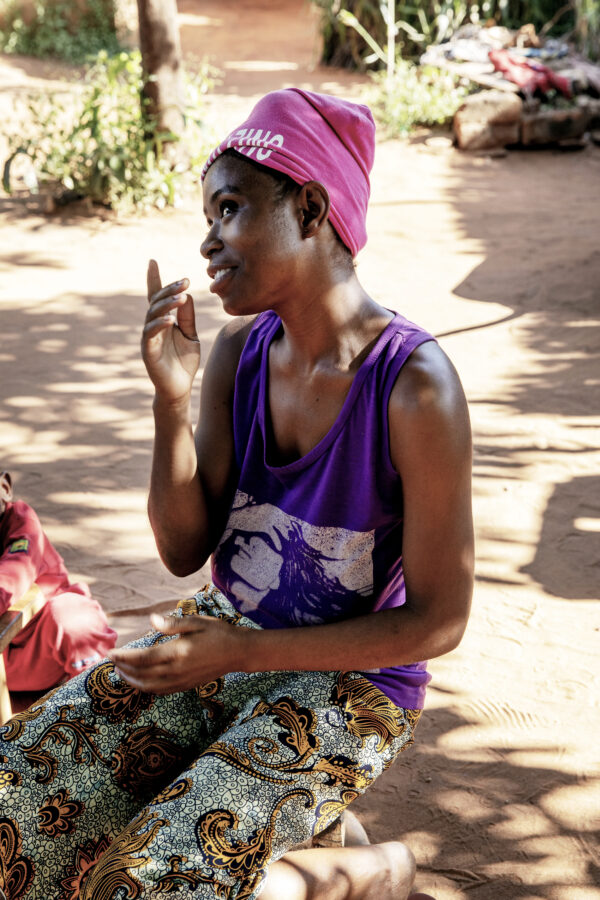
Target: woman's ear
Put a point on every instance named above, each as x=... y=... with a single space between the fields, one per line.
x=313 y=207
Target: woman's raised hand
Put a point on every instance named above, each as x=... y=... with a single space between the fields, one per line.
x=170 y=345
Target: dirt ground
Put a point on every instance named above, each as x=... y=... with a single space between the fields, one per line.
x=500 y=797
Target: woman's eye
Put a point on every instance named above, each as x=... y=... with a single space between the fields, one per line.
x=226 y=207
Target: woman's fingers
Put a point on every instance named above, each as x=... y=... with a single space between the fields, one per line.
x=153 y=680
x=186 y=318
x=169 y=290
x=180 y=624
x=164 y=307
x=199 y=653
x=153 y=278
x=158 y=293
x=162 y=652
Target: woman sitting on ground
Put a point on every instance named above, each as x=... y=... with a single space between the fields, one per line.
x=329 y=480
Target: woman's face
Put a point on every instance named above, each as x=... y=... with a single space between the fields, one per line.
x=256 y=562
x=255 y=239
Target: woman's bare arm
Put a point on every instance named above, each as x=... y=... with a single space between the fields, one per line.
x=191 y=483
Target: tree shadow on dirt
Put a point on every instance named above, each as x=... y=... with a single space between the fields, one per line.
x=474 y=822
x=552 y=280
x=10 y=261
x=548 y=278
x=569 y=540
x=76 y=431
x=499 y=824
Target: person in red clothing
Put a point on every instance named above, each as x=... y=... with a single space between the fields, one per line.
x=70 y=632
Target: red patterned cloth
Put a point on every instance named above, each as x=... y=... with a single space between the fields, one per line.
x=70 y=632
x=530 y=76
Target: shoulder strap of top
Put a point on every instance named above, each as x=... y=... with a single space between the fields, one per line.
x=406 y=339
x=248 y=378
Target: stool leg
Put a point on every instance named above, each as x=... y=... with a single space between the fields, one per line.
x=5 y=707
x=332 y=836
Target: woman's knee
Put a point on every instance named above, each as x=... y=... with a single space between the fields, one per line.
x=286 y=880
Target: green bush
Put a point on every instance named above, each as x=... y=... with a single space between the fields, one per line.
x=103 y=145
x=60 y=29
x=416 y=95
x=341 y=44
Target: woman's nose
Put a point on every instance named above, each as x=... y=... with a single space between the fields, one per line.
x=211 y=242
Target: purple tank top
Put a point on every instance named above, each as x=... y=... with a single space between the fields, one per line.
x=320 y=539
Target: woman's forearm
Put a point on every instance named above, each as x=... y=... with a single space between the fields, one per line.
x=177 y=506
x=392 y=637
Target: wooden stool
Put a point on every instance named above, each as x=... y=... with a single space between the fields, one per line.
x=12 y=622
x=333 y=836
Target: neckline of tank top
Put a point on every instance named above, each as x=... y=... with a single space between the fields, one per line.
x=321 y=446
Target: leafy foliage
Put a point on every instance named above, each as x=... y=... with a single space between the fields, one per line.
x=587 y=27
x=342 y=44
x=416 y=95
x=105 y=147
x=59 y=29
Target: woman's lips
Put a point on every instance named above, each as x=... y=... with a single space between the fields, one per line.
x=220 y=275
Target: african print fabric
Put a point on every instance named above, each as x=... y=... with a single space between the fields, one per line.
x=108 y=793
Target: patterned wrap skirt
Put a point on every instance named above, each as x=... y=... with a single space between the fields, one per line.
x=109 y=793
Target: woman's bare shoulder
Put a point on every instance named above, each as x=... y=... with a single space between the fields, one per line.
x=427 y=379
x=228 y=346
x=234 y=334
x=428 y=415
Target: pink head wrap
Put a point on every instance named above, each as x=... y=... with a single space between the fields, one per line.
x=314 y=137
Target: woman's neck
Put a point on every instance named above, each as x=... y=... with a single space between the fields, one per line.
x=330 y=327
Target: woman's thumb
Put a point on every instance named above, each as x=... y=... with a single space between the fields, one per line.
x=186 y=318
x=173 y=624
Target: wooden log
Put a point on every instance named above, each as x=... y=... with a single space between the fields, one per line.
x=11 y=623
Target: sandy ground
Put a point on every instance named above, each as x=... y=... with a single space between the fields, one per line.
x=500 y=798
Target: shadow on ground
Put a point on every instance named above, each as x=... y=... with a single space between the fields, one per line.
x=548 y=278
x=490 y=832
x=77 y=427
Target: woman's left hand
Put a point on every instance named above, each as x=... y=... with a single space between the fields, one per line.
x=203 y=649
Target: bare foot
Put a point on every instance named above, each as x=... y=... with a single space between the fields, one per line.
x=367 y=872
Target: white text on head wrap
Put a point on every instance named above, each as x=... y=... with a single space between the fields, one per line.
x=248 y=140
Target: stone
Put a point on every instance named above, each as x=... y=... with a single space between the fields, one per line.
x=439 y=142
x=481 y=136
x=591 y=105
x=554 y=125
x=488 y=119
x=490 y=108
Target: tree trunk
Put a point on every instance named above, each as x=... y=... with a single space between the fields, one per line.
x=127 y=23
x=161 y=59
